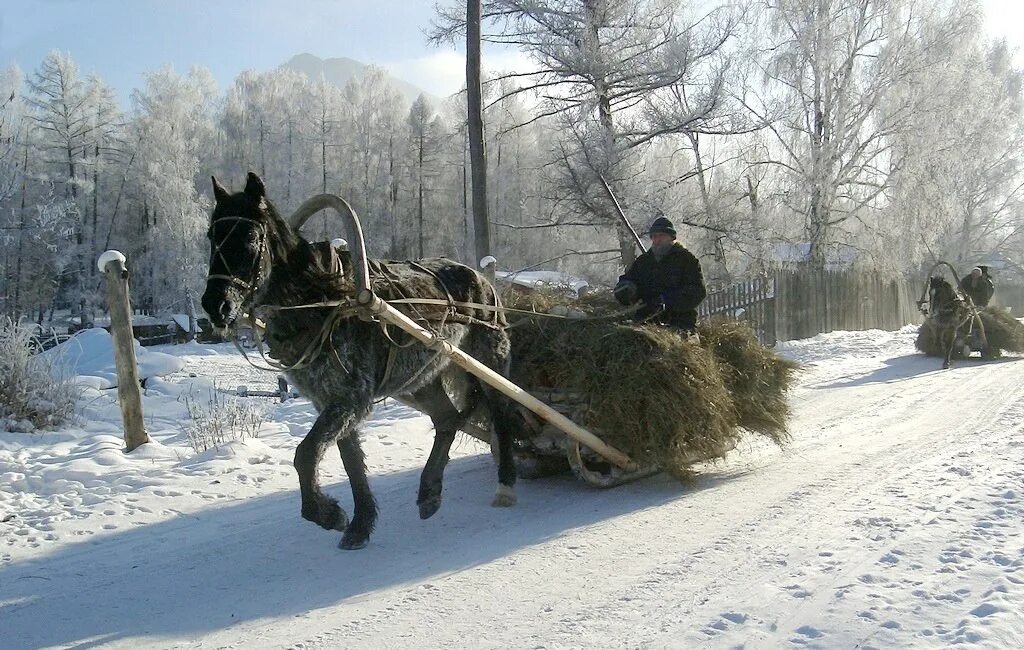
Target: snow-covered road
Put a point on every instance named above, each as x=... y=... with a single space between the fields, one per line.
x=893 y=519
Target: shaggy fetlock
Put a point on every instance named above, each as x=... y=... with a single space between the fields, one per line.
x=357 y=535
x=326 y=513
x=504 y=497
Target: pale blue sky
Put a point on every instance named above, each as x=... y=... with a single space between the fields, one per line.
x=121 y=39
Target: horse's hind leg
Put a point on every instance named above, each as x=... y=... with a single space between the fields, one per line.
x=504 y=429
x=317 y=506
x=432 y=480
x=494 y=353
x=446 y=419
x=364 y=512
x=506 y=421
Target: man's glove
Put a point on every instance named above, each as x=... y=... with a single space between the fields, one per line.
x=626 y=292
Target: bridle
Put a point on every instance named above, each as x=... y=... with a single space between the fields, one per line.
x=249 y=285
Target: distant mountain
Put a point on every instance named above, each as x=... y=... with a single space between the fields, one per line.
x=339 y=71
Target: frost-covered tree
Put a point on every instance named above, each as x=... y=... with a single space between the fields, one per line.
x=60 y=103
x=961 y=190
x=174 y=129
x=373 y=111
x=616 y=75
x=842 y=68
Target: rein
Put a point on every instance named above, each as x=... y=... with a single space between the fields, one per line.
x=347 y=307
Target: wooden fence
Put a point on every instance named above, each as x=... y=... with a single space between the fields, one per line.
x=795 y=304
x=1010 y=295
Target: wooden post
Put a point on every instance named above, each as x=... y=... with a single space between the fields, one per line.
x=112 y=265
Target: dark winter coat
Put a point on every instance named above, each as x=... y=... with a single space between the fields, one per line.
x=980 y=290
x=671 y=288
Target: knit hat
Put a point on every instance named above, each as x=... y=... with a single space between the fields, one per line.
x=662 y=225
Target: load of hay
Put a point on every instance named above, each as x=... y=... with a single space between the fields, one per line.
x=928 y=339
x=1003 y=332
x=663 y=399
x=756 y=377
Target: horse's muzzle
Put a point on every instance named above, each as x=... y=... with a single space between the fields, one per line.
x=221 y=309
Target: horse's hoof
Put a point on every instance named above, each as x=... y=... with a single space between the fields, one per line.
x=504 y=497
x=353 y=542
x=429 y=507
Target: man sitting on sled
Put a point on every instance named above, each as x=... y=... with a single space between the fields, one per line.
x=667 y=278
x=979 y=286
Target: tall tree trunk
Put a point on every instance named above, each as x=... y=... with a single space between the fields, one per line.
x=705 y=197
x=419 y=200
x=627 y=245
x=755 y=214
x=94 y=228
x=323 y=164
x=467 y=248
x=288 y=178
x=21 y=236
x=263 y=154
x=477 y=150
x=392 y=197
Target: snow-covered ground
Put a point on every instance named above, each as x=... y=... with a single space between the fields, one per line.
x=894 y=519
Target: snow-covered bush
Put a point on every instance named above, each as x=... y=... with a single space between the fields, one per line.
x=31 y=395
x=224 y=419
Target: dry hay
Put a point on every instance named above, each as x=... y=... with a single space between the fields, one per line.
x=657 y=397
x=594 y=303
x=756 y=377
x=1003 y=332
x=660 y=398
x=928 y=339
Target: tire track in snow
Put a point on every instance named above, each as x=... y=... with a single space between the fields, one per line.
x=783 y=496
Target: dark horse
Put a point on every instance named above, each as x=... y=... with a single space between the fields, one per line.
x=949 y=314
x=343 y=363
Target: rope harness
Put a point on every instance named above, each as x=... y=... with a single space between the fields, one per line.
x=345 y=308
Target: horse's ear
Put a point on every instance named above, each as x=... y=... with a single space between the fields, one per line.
x=254 y=186
x=219 y=193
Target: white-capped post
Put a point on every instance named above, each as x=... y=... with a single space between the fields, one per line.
x=112 y=265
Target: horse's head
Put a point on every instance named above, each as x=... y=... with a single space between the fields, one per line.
x=241 y=228
x=941 y=294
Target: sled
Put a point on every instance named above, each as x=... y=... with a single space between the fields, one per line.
x=551 y=436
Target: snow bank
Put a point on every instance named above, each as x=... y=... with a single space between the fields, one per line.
x=89 y=354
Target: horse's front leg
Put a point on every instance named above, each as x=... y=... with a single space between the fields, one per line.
x=949 y=347
x=364 y=510
x=317 y=506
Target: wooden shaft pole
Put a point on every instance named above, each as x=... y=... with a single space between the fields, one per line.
x=388 y=313
x=128 y=394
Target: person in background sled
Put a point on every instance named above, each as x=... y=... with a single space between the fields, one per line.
x=979 y=286
x=667 y=278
